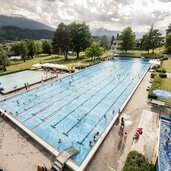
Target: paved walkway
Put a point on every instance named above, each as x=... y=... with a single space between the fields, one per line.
x=113 y=152
x=147 y=144
x=168 y=74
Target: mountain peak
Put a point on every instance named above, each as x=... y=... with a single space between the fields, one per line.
x=21 y=21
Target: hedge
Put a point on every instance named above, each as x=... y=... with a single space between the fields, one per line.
x=162 y=75
x=161 y=70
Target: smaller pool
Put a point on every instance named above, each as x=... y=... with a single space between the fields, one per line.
x=164 y=158
x=17 y=80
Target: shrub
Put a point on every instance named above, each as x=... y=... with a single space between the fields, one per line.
x=161 y=70
x=137 y=162
x=163 y=75
x=151 y=95
x=153 y=75
x=165 y=58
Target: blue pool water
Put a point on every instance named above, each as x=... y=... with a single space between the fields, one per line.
x=8 y=82
x=78 y=106
x=164 y=159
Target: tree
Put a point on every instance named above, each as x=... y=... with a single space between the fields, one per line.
x=112 y=40
x=128 y=39
x=46 y=47
x=146 y=42
x=38 y=47
x=94 y=50
x=21 y=49
x=168 y=43
x=62 y=40
x=137 y=162
x=151 y=40
x=31 y=48
x=80 y=37
x=168 y=29
x=104 y=42
x=117 y=36
x=4 y=61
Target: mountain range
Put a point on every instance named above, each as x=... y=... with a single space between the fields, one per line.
x=23 y=22
x=19 y=27
x=99 y=32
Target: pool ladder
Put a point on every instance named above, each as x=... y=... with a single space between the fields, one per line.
x=62 y=158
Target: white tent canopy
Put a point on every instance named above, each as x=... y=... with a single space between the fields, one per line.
x=155 y=62
x=50 y=65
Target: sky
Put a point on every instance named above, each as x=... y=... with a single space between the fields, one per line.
x=109 y=14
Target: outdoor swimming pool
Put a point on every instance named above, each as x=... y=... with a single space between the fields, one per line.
x=76 y=107
x=17 y=80
x=164 y=159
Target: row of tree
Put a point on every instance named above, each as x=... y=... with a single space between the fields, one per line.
x=150 y=40
x=28 y=48
x=76 y=37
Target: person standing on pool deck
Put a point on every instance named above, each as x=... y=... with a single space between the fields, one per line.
x=28 y=85
x=25 y=86
x=122 y=126
x=122 y=122
x=125 y=137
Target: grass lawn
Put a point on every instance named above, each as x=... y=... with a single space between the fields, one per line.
x=72 y=61
x=167 y=65
x=166 y=85
x=138 y=53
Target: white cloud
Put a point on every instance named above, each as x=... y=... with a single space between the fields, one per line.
x=110 y=14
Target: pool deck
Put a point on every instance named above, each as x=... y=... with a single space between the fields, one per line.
x=148 y=141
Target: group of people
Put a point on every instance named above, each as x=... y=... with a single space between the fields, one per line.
x=26 y=85
x=124 y=134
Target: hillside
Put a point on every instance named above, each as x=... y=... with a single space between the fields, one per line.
x=10 y=33
x=22 y=22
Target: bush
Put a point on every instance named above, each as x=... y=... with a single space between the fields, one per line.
x=137 y=162
x=161 y=70
x=165 y=58
x=151 y=95
x=163 y=75
x=153 y=75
